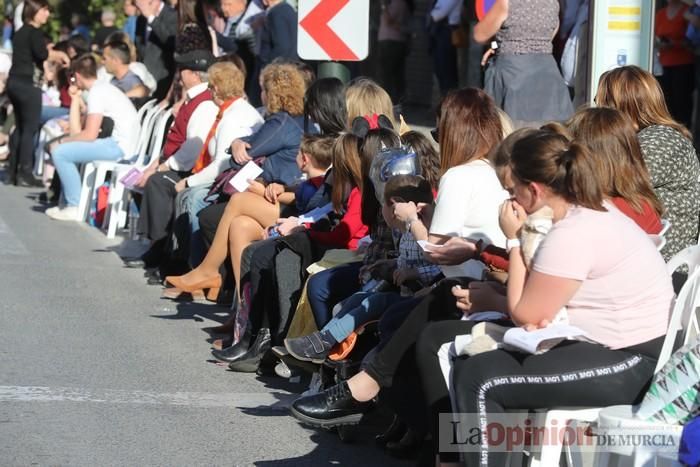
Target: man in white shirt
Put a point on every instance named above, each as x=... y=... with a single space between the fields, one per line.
x=160 y=179
x=109 y=133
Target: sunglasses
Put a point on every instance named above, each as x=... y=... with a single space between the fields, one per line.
x=435 y=134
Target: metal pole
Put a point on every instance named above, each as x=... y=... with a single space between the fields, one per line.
x=334 y=70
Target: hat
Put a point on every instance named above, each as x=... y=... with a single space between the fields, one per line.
x=195 y=60
x=389 y=163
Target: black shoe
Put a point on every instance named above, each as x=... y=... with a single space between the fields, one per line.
x=28 y=181
x=234 y=352
x=249 y=362
x=392 y=434
x=154 y=278
x=312 y=348
x=332 y=407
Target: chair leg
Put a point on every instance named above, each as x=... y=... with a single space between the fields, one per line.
x=114 y=208
x=86 y=190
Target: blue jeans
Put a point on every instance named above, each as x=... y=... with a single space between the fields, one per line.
x=49 y=113
x=327 y=288
x=67 y=156
x=359 y=309
x=190 y=202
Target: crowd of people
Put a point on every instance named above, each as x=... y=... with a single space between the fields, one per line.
x=357 y=222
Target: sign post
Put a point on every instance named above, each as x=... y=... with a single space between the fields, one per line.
x=331 y=31
x=621 y=33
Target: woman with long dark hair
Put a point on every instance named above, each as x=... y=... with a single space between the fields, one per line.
x=29 y=53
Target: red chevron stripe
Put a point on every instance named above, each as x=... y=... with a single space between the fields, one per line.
x=316 y=25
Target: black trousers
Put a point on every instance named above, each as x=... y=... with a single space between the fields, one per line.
x=677 y=83
x=489 y=384
x=26 y=101
x=209 y=219
x=439 y=305
x=444 y=57
x=392 y=56
x=158 y=204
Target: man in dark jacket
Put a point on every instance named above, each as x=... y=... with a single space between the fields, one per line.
x=156 y=28
x=279 y=33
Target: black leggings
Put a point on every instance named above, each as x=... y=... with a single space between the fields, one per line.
x=438 y=305
x=26 y=101
x=490 y=384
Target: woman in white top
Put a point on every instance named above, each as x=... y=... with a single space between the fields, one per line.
x=469 y=197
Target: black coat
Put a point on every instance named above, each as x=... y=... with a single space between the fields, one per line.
x=156 y=49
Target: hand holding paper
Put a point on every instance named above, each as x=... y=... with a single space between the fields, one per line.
x=250 y=171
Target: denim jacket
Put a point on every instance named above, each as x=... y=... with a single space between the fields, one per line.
x=278 y=141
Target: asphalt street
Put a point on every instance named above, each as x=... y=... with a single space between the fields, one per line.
x=96 y=369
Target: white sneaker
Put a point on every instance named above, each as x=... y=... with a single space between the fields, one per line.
x=69 y=213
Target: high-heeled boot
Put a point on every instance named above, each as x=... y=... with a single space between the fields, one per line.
x=250 y=361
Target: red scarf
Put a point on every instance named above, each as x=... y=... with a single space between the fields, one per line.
x=204 y=157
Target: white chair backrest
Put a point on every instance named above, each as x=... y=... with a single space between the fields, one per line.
x=659 y=241
x=149 y=122
x=689 y=256
x=665 y=225
x=684 y=318
x=158 y=136
x=144 y=108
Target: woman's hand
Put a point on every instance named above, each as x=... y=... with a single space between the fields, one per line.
x=239 y=152
x=272 y=191
x=480 y=296
x=486 y=56
x=454 y=251
x=511 y=218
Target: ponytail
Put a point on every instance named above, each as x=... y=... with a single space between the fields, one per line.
x=566 y=168
x=347 y=168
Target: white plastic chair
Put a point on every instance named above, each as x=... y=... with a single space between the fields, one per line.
x=659 y=241
x=683 y=320
x=95 y=173
x=118 y=197
x=665 y=225
x=550 y=454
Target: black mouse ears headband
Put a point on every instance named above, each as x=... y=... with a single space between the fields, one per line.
x=362 y=125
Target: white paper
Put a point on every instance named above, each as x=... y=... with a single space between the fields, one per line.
x=250 y=171
x=316 y=214
x=540 y=340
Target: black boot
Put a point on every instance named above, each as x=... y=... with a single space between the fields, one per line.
x=250 y=360
x=234 y=352
x=333 y=407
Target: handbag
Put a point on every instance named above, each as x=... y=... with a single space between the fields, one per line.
x=222 y=183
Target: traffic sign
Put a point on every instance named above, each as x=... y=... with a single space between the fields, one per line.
x=336 y=30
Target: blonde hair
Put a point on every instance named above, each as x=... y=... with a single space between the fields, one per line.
x=285 y=88
x=365 y=97
x=638 y=95
x=506 y=122
x=228 y=80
